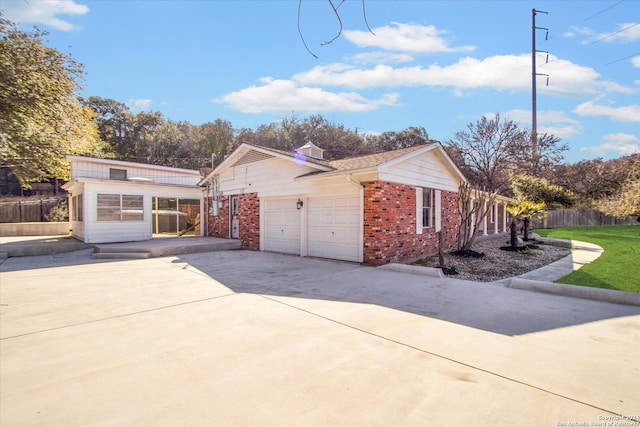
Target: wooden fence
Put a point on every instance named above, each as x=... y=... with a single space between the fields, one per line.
x=580 y=218
x=30 y=210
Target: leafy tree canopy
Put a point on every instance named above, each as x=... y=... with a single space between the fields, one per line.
x=40 y=118
x=539 y=190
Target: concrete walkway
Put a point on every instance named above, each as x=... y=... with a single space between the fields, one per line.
x=18 y=246
x=246 y=338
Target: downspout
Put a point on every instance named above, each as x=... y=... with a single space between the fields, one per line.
x=351 y=181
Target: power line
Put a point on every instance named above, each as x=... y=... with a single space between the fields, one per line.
x=614 y=33
x=602 y=11
x=618 y=60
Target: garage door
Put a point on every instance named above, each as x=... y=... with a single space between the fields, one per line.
x=334 y=227
x=281 y=226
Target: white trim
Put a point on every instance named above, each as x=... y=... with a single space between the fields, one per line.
x=504 y=217
x=418 y=210
x=438 y=208
x=484 y=219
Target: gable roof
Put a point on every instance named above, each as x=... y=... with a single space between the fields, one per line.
x=372 y=160
x=248 y=153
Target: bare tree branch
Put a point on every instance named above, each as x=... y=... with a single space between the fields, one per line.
x=364 y=14
x=335 y=11
x=300 y=32
x=335 y=8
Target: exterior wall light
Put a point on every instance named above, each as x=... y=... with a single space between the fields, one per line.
x=299 y=204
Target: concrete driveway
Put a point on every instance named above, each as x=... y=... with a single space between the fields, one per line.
x=249 y=338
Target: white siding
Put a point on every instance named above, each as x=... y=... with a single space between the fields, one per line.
x=276 y=178
x=427 y=170
x=159 y=175
x=126 y=231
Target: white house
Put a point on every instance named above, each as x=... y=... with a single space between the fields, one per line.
x=116 y=201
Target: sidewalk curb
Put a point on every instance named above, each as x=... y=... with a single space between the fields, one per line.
x=598 y=294
x=413 y=269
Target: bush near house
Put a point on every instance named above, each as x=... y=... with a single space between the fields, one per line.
x=617 y=268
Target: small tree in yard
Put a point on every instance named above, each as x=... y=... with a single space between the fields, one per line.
x=523 y=210
x=625 y=203
x=471 y=207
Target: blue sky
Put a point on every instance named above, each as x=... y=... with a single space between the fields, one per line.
x=435 y=64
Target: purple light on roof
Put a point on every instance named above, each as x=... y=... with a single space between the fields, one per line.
x=299 y=158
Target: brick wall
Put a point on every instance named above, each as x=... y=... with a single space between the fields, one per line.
x=390 y=224
x=249 y=216
x=219 y=225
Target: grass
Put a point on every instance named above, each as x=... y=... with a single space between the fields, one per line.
x=619 y=265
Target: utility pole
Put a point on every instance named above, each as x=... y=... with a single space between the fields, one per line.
x=534 y=74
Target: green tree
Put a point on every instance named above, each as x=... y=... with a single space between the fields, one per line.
x=212 y=138
x=526 y=187
x=408 y=137
x=129 y=135
x=594 y=180
x=523 y=210
x=41 y=119
x=624 y=203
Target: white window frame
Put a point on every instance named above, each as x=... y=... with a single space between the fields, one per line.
x=432 y=213
x=427 y=207
x=120 y=207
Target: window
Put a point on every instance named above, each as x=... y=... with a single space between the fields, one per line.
x=78 y=208
x=494 y=211
x=427 y=207
x=119 y=174
x=120 y=207
x=132 y=208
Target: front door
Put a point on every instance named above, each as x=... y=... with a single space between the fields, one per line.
x=235 y=221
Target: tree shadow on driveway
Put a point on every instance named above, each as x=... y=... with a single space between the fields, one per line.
x=487 y=306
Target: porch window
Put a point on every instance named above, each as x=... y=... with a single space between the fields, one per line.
x=120 y=207
x=77 y=213
x=427 y=207
x=132 y=208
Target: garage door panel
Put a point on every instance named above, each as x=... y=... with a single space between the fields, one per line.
x=334 y=227
x=281 y=226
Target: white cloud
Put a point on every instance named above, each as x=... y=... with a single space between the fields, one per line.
x=43 y=12
x=620 y=143
x=629 y=113
x=277 y=96
x=137 y=105
x=635 y=61
x=501 y=72
x=552 y=122
x=380 y=57
x=405 y=38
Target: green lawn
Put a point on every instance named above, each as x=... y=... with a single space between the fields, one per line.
x=619 y=265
